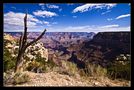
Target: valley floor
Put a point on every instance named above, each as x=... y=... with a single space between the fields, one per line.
x=57 y=79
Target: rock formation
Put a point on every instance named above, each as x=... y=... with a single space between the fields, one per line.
x=104 y=47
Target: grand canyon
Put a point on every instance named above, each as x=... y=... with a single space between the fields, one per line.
x=67 y=44
x=81 y=47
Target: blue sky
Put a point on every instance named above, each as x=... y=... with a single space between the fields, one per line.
x=68 y=17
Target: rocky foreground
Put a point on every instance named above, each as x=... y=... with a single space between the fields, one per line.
x=57 y=79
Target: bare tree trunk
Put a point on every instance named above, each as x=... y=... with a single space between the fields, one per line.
x=23 y=44
x=19 y=62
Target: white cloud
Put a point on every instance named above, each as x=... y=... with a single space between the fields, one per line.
x=110 y=26
x=87 y=7
x=45 y=22
x=93 y=28
x=42 y=6
x=77 y=27
x=109 y=6
x=74 y=16
x=109 y=19
x=123 y=16
x=113 y=29
x=44 y=13
x=52 y=6
x=15 y=21
x=105 y=12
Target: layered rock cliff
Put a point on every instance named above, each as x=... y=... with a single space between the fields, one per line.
x=104 y=47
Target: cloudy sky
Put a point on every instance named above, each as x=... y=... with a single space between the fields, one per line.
x=68 y=17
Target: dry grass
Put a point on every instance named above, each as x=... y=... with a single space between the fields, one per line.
x=57 y=79
x=67 y=75
x=15 y=78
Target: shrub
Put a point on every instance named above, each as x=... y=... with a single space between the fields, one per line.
x=82 y=73
x=69 y=68
x=8 y=60
x=20 y=78
x=31 y=54
x=33 y=66
x=39 y=65
x=15 y=78
x=100 y=71
x=121 y=68
x=95 y=70
x=50 y=65
x=119 y=71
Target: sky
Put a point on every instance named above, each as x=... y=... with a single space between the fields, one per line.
x=67 y=17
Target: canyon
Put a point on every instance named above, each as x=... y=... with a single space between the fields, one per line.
x=80 y=47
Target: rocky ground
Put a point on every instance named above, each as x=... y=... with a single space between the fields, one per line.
x=56 y=79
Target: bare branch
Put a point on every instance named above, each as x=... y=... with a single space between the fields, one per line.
x=35 y=40
x=25 y=29
x=20 y=42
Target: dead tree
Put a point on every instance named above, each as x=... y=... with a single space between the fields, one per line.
x=23 y=44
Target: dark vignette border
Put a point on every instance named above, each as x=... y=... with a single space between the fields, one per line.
x=65 y=1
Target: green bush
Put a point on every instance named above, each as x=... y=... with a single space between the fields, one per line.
x=33 y=66
x=40 y=59
x=120 y=71
x=8 y=60
x=40 y=65
x=121 y=68
x=50 y=65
